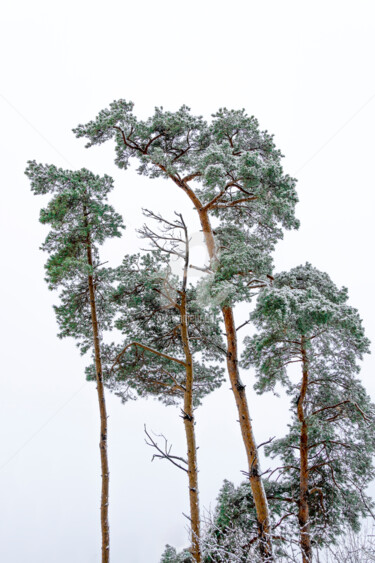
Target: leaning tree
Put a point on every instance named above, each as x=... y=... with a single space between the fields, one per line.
x=80 y=220
x=327 y=454
x=231 y=172
x=171 y=347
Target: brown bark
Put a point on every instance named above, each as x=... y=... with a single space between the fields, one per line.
x=259 y=495
x=188 y=416
x=303 y=512
x=103 y=416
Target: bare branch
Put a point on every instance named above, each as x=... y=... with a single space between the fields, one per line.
x=206 y=269
x=282 y=518
x=243 y=324
x=264 y=443
x=166 y=454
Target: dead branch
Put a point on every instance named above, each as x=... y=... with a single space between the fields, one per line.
x=267 y=442
x=166 y=453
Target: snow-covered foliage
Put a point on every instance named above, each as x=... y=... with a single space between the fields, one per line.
x=244 y=265
x=305 y=319
x=237 y=177
x=78 y=215
x=147 y=301
x=230 y=156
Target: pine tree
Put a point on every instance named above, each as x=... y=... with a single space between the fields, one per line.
x=327 y=454
x=166 y=329
x=170 y=555
x=230 y=534
x=80 y=220
x=231 y=171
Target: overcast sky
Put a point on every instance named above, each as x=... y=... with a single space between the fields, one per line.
x=306 y=71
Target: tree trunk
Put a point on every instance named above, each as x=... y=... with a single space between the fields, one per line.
x=259 y=495
x=303 y=512
x=188 y=416
x=103 y=417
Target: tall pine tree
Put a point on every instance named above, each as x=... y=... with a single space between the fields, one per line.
x=327 y=454
x=80 y=220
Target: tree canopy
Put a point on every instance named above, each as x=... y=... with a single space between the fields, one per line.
x=304 y=318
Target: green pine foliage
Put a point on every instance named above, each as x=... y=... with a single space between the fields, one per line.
x=305 y=304
x=80 y=220
x=144 y=300
x=237 y=178
x=230 y=150
x=170 y=555
x=231 y=532
x=78 y=215
x=244 y=265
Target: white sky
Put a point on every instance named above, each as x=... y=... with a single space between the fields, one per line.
x=306 y=71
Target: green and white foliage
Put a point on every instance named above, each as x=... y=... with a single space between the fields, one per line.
x=230 y=156
x=230 y=170
x=79 y=218
x=147 y=300
x=170 y=555
x=231 y=532
x=244 y=266
x=305 y=319
x=243 y=164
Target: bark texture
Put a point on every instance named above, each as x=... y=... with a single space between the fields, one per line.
x=188 y=417
x=103 y=417
x=303 y=512
x=259 y=495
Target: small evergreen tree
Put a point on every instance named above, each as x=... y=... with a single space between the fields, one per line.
x=230 y=534
x=80 y=220
x=327 y=454
x=170 y=555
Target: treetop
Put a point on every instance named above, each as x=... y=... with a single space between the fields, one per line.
x=78 y=214
x=236 y=164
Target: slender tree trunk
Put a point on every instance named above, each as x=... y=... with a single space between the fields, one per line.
x=259 y=495
x=103 y=417
x=303 y=512
x=188 y=416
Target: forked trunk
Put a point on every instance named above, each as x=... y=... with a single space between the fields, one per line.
x=303 y=512
x=103 y=417
x=259 y=495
